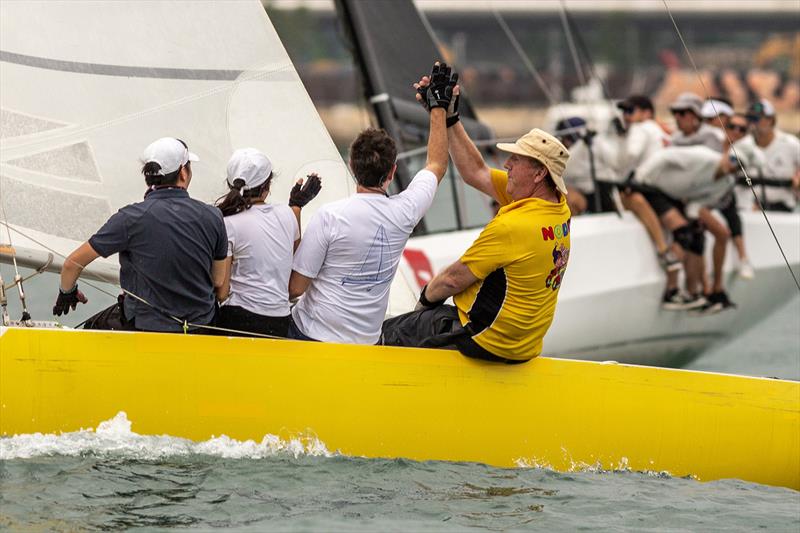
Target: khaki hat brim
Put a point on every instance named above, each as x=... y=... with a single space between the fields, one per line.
x=514 y=149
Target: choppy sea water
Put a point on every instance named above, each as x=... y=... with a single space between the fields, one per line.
x=111 y=478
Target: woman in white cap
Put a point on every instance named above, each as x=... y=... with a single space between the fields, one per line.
x=262 y=238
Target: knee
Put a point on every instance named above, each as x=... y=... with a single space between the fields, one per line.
x=691 y=238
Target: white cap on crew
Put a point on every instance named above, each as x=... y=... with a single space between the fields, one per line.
x=250 y=165
x=170 y=153
x=712 y=107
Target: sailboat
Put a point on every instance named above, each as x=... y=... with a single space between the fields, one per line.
x=95 y=82
x=612 y=263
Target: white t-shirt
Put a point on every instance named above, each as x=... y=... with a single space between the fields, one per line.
x=706 y=135
x=642 y=140
x=351 y=249
x=779 y=160
x=578 y=172
x=686 y=173
x=261 y=241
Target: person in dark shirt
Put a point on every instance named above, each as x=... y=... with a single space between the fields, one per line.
x=171 y=249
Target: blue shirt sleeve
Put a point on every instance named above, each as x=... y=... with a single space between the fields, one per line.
x=221 y=246
x=112 y=238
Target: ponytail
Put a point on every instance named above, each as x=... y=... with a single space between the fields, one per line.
x=238 y=199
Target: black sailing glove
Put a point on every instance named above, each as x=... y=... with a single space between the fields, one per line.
x=68 y=299
x=302 y=193
x=424 y=303
x=439 y=92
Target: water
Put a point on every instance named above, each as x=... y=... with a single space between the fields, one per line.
x=112 y=479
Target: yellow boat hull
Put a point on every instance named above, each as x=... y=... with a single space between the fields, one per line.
x=401 y=402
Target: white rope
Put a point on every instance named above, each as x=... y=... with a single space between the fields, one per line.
x=184 y=323
x=730 y=143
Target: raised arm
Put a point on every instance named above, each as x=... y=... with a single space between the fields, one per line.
x=437 y=144
x=469 y=161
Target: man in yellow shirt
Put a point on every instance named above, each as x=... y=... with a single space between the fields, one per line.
x=506 y=284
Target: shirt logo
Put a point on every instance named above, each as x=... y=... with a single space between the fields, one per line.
x=551 y=233
x=560 y=258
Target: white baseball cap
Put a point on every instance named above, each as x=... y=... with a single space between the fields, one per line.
x=170 y=153
x=249 y=165
x=712 y=107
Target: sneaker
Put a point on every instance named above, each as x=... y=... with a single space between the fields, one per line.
x=717 y=301
x=746 y=270
x=695 y=301
x=668 y=261
x=674 y=300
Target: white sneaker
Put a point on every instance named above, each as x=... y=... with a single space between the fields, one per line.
x=746 y=270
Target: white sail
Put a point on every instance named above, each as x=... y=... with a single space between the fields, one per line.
x=85 y=86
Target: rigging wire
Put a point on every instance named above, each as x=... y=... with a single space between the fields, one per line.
x=26 y=316
x=523 y=56
x=735 y=153
x=571 y=43
x=184 y=323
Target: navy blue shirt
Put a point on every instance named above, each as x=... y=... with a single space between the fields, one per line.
x=166 y=246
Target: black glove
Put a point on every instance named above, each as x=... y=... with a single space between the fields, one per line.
x=452 y=111
x=424 y=303
x=68 y=299
x=303 y=193
x=439 y=91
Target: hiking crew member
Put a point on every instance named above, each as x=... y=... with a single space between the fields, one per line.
x=778 y=154
x=736 y=128
x=262 y=238
x=685 y=183
x=351 y=249
x=171 y=248
x=506 y=284
x=587 y=152
x=715 y=110
x=692 y=131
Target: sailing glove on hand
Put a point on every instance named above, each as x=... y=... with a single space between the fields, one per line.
x=302 y=193
x=68 y=299
x=439 y=92
x=451 y=89
x=424 y=303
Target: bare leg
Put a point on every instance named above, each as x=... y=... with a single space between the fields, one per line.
x=576 y=201
x=636 y=203
x=721 y=235
x=672 y=220
x=738 y=242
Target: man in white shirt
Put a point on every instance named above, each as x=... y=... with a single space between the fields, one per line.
x=779 y=154
x=692 y=131
x=351 y=249
x=643 y=138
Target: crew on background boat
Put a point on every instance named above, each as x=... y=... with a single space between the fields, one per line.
x=736 y=128
x=589 y=168
x=346 y=262
x=262 y=238
x=779 y=155
x=505 y=286
x=171 y=248
x=691 y=130
x=683 y=184
x=642 y=138
x=716 y=110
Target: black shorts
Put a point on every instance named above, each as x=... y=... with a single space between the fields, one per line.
x=243 y=321
x=660 y=202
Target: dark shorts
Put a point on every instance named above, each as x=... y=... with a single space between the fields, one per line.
x=607 y=204
x=244 y=321
x=438 y=327
x=660 y=202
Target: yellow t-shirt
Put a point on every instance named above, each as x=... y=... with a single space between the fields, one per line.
x=520 y=258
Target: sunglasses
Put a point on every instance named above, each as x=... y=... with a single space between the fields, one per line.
x=737 y=127
x=680 y=112
x=627 y=110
